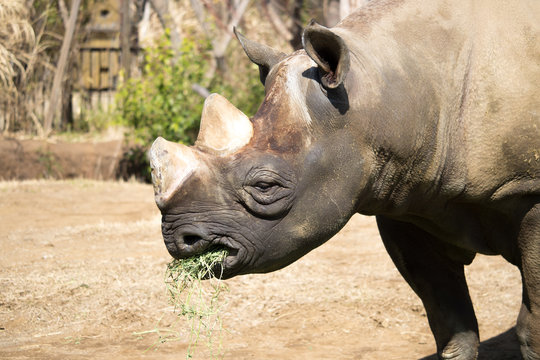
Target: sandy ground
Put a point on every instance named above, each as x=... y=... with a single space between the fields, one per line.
x=81 y=271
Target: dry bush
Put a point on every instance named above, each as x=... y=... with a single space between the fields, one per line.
x=21 y=48
x=17 y=38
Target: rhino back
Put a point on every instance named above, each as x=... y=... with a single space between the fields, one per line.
x=461 y=81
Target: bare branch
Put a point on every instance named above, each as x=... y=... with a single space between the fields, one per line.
x=63 y=11
x=274 y=18
x=220 y=21
x=331 y=12
x=36 y=122
x=199 y=14
x=221 y=47
x=219 y=42
x=125 y=30
x=201 y=90
x=161 y=7
x=60 y=68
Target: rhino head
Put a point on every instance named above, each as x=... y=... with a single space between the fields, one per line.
x=270 y=188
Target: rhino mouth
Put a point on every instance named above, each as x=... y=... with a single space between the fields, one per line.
x=191 y=243
x=229 y=266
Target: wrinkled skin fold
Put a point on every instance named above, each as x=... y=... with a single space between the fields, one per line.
x=424 y=114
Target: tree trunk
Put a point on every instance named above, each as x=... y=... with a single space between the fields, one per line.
x=67 y=105
x=273 y=16
x=56 y=91
x=161 y=7
x=297 y=26
x=220 y=42
x=292 y=31
x=220 y=45
x=331 y=12
x=125 y=32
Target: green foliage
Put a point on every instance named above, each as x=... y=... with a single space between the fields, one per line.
x=96 y=120
x=161 y=101
x=134 y=164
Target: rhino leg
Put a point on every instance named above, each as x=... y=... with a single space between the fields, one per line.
x=528 y=325
x=439 y=282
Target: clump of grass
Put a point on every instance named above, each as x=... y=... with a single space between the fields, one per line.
x=197 y=304
x=198 y=267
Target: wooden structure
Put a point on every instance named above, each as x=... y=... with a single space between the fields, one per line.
x=100 y=53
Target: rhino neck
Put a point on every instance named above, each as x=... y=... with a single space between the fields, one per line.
x=408 y=104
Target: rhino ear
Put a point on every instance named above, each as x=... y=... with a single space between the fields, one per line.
x=260 y=54
x=329 y=51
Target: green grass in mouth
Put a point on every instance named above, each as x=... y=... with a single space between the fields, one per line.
x=197 y=303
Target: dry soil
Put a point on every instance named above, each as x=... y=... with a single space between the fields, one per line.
x=81 y=277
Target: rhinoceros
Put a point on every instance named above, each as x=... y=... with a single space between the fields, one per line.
x=425 y=114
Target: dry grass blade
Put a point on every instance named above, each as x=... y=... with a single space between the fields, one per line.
x=197 y=303
x=22 y=65
x=16 y=37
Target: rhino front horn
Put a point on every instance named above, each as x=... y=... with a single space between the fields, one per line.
x=171 y=164
x=224 y=129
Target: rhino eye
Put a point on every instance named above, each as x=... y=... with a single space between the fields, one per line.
x=267 y=193
x=264 y=186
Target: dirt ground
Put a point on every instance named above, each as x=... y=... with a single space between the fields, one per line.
x=81 y=271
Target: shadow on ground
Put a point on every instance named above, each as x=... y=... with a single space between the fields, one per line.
x=504 y=346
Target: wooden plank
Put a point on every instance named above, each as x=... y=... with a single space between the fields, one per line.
x=125 y=43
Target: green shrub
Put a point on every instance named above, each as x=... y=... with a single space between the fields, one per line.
x=161 y=101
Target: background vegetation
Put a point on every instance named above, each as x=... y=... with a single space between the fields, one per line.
x=162 y=102
x=172 y=54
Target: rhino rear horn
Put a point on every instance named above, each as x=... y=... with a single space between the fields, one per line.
x=172 y=164
x=262 y=55
x=224 y=129
x=329 y=51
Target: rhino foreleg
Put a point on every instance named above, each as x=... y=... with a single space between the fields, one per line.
x=528 y=325
x=439 y=282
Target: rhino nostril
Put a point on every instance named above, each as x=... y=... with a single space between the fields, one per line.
x=185 y=243
x=190 y=239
